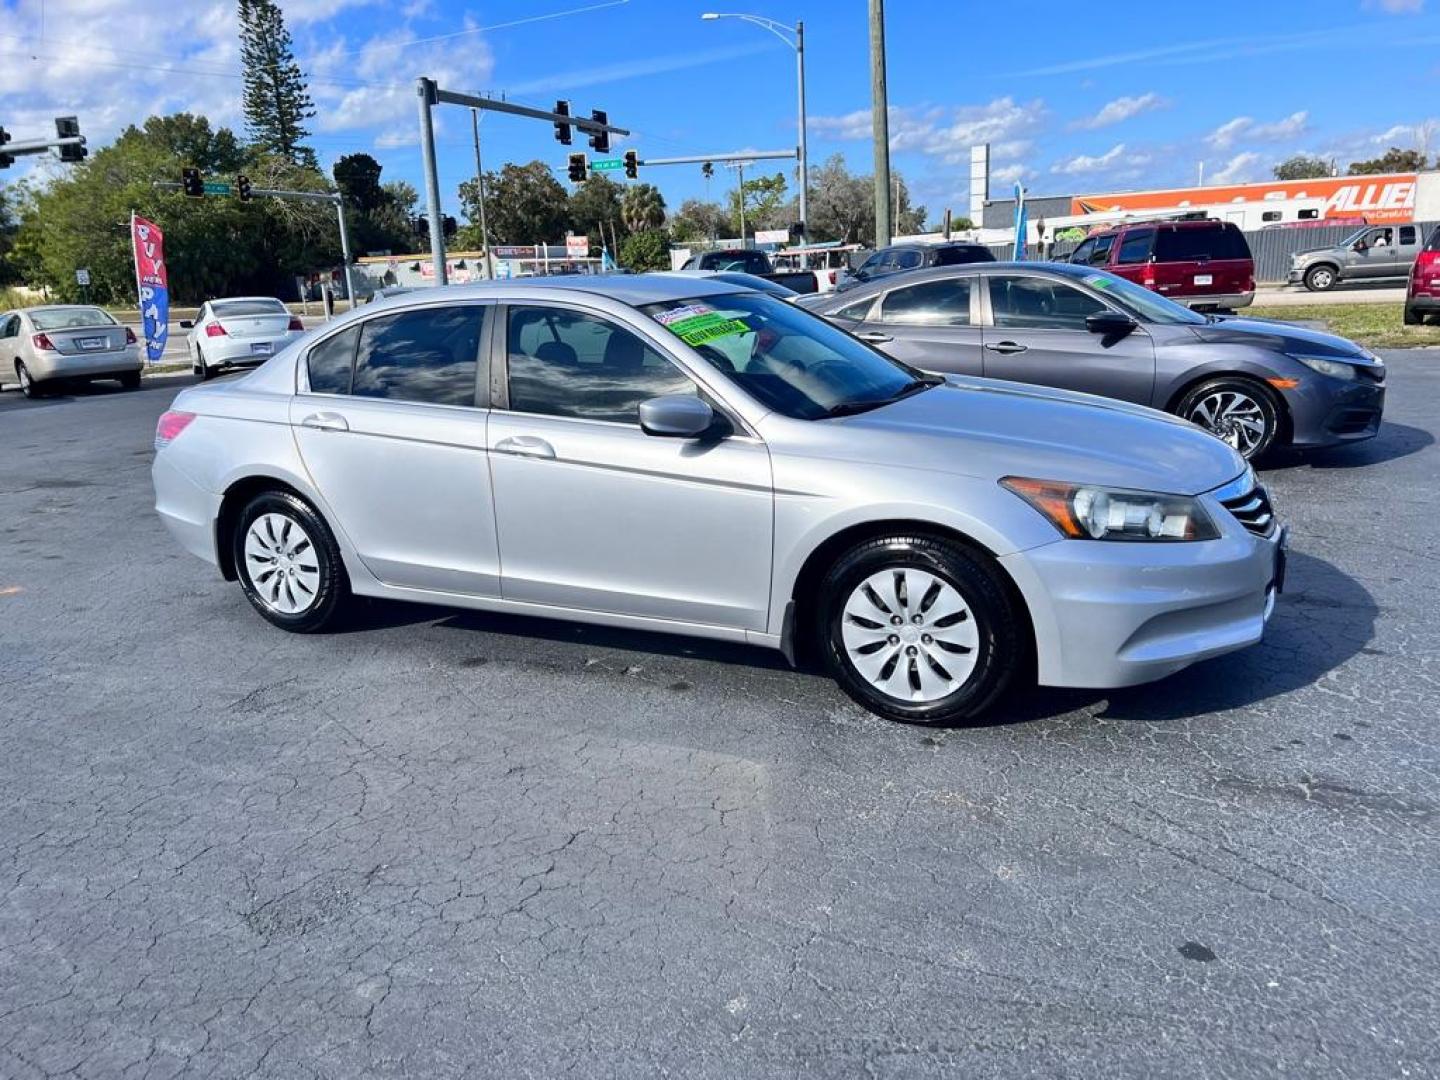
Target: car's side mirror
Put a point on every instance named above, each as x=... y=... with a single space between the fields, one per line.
x=1109 y=324
x=676 y=416
x=187 y=324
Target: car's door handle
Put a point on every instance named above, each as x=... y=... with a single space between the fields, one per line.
x=526 y=446
x=1006 y=347
x=874 y=336
x=325 y=421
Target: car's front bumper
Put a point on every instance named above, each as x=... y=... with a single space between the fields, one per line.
x=1329 y=412
x=54 y=365
x=1110 y=613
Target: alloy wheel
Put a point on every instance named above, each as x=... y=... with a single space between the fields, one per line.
x=1232 y=416
x=910 y=634
x=281 y=563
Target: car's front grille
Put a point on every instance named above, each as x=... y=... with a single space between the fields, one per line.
x=1253 y=510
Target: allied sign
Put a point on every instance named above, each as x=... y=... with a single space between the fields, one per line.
x=1389 y=197
x=772 y=236
x=152 y=280
x=82 y=276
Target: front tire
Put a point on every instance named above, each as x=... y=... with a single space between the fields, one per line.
x=1321 y=278
x=919 y=629
x=288 y=563
x=1237 y=411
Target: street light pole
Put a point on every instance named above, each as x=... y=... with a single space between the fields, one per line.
x=780 y=30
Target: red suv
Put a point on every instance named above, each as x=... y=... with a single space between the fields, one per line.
x=1203 y=264
x=1422 y=293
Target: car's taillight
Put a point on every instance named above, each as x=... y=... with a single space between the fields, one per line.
x=833 y=273
x=129 y=336
x=169 y=427
x=1147 y=276
x=295 y=323
x=214 y=329
x=43 y=342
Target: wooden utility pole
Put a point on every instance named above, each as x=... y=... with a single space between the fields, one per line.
x=880 y=122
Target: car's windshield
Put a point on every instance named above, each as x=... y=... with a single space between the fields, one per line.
x=749 y=262
x=1140 y=301
x=226 y=309
x=70 y=318
x=751 y=281
x=786 y=358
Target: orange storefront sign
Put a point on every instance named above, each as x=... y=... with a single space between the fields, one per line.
x=1377 y=198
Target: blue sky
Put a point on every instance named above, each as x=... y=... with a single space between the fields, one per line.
x=1072 y=99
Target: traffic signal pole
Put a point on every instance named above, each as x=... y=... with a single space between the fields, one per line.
x=430 y=95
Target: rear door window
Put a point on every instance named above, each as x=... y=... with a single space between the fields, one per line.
x=1082 y=253
x=1135 y=248
x=330 y=362
x=1407 y=234
x=932 y=303
x=429 y=355
x=908 y=260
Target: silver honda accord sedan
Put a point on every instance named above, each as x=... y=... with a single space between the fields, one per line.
x=683 y=455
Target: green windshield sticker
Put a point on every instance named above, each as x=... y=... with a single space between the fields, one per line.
x=698 y=329
x=1095 y=281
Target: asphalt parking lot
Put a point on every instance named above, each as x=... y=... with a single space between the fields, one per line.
x=452 y=844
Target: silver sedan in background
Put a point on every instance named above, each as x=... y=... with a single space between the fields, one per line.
x=238 y=332
x=677 y=454
x=45 y=346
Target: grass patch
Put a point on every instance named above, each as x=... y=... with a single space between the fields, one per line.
x=1378 y=326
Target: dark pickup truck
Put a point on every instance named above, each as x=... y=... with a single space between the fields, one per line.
x=747 y=261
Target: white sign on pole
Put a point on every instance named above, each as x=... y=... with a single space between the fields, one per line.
x=577 y=247
x=82 y=276
x=772 y=236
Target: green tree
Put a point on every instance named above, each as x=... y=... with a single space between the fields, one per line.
x=642 y=208
x=697 y=220
x=1392 y=161
x=765 y=204
x=1302 y=167
x=524 y=204
x=374 y=221
x=276 y=100
x=842 y=205
x=593 y=203
x=213 y=246
x=647 y=249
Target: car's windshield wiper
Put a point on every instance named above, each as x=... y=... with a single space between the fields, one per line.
x=914 y=386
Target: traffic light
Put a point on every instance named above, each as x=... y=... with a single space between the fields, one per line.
x=5 y=159
x=600 y=140
x=578 y=168
x=449 y=226
x=67 y=127
x=421 y=225
x=632 y=164
x=242 y=187
x=191 y=183
x=562 y=129
x=707 y=170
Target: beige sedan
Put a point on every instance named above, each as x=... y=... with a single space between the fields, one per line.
x=47 y=345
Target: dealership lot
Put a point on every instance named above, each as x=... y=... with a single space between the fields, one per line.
x=449 y=843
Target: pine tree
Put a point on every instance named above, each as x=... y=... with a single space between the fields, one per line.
x=277 y=101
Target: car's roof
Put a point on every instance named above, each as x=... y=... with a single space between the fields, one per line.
x=56 y=307
x=633 y=289
x=940 y=273
x=1120 y=226
x=229 y=299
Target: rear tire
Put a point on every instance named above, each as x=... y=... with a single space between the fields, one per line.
x=1413 y=317
x=32 y=388
x=130 y=380
x=288 y=563
x=205 y=372
x=1229 y=408
x=1321 y=278
x=919 y=629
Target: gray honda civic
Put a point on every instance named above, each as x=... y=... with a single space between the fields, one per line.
x=1255 y=383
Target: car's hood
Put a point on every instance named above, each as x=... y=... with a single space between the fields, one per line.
x=1308 y=252
x=990 y=428
x=1283 y=337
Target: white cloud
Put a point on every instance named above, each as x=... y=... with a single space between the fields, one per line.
x=1085 y=163
x=1396 y=7
x=946 y=133
x=1238 y=169
x=1246 y=128
x=1122 y=108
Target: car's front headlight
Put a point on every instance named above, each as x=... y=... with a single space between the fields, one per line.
x=1336 y=369
x=1085 y=512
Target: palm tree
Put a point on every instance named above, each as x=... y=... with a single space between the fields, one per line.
x=642 y=208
